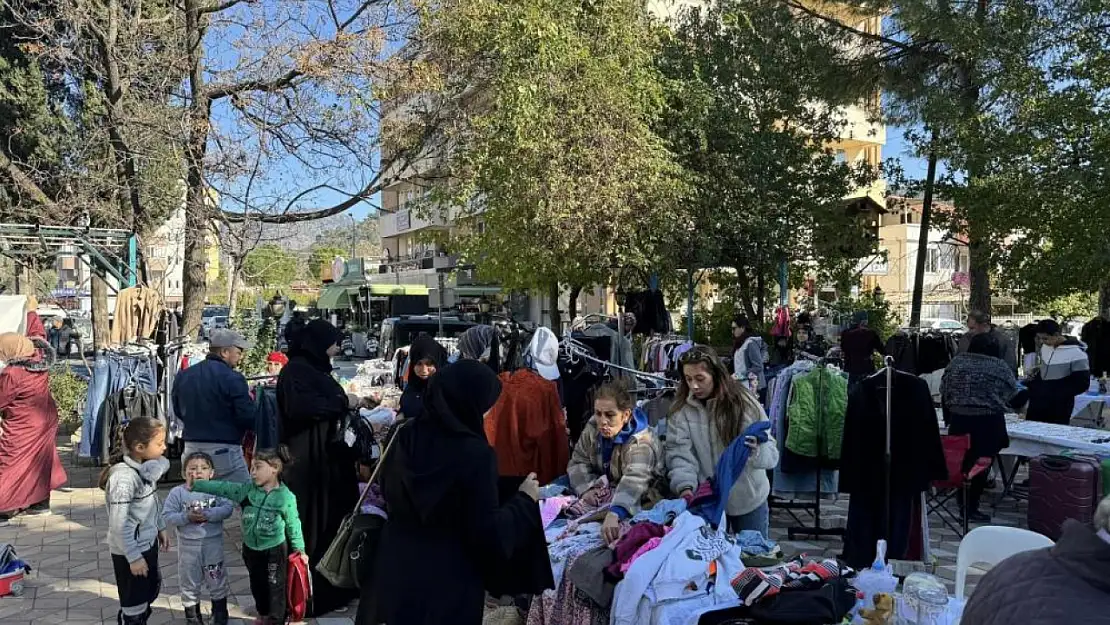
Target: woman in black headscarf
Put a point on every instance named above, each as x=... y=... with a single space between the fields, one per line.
x=481 y=343
x=447 y=526
x=426 y=356
x=312 y=407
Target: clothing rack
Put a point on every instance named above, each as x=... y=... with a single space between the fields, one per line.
x=574 y=350
x=813 y=508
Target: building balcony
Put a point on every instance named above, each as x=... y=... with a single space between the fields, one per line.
x=406 y=220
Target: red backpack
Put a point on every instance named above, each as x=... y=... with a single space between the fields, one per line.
x=298 y=588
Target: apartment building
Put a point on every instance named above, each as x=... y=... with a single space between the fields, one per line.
x=894 y=268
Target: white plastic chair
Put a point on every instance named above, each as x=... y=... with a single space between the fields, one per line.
x=992 y=544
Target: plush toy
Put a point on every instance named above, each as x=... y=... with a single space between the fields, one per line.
x=882 y=613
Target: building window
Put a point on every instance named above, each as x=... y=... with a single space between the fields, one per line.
x=841 y=156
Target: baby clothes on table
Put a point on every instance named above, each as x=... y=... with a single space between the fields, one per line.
x=569 y=546
x=753 y=584
x=630 y=543
x=752 y=543
x=599 y=494
x=551 y=507
x=662 y=513
x=652 y=543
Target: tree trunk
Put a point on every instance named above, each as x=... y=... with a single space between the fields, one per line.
x=98 y=292
x=572 y=302
x=1104 y=300
x=194 y=288
x=232 y=291
x=761 y=297
x=553 y=311
x=923 y=242
x=747 y=300
x=979 y=244
x=127 y=176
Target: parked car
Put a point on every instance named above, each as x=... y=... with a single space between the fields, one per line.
x=944 y=324
x=212 y=318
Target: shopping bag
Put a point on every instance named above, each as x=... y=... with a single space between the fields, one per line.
x=340 y=562
x=298 y=588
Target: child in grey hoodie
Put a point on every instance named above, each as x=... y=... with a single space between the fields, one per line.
x=199 y=520
x=135 y=529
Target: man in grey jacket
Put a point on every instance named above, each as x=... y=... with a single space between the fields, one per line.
x=979 y=322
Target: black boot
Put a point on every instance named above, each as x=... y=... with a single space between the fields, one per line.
x=219 y=612
x=192 y=615
x=134 y=620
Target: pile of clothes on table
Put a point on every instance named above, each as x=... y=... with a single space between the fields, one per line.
x=669 y=566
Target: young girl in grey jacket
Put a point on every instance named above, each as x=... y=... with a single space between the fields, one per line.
x=710 y=411
x=135 y=527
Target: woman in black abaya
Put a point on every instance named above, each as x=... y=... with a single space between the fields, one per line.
x=312 y=407
x=449 y=537
x=426 y=356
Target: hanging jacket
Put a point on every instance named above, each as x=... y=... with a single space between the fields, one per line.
x=635 y=461
x=808 y=417
x=526 y=427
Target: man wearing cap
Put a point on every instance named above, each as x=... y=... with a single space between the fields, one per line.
x=214 y=403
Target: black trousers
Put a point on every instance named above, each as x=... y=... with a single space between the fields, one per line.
x=267 y=571
x=135 y=591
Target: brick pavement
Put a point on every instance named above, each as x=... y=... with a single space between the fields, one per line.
x=73 y=580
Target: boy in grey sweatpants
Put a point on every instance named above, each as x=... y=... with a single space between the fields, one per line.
x=199 y=520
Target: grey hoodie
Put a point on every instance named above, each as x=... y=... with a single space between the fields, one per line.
x=134 y=514
x=175 y=513
x=749 y=359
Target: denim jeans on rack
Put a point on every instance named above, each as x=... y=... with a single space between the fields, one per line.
x=111 y=374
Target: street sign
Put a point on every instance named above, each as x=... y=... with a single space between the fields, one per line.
x=448 y=299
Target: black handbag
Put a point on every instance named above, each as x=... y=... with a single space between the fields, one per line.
x=344 y=558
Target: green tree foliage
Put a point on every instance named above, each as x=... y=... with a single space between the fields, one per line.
x=557 y=175
x=1061 y=253
x=321 y=257
x=269 y=265
x=969 y=80
x=754 y=108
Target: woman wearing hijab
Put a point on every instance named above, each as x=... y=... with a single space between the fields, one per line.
x=29 y=463
x=481 y=343
x=426 y=356
x=446 y=523
x=312 y=407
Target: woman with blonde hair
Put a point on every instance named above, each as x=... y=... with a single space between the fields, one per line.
x=712 y=410
x=30 y=466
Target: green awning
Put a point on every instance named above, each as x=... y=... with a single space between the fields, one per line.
x=476 y=291
x=336 y=297
x=397 y=289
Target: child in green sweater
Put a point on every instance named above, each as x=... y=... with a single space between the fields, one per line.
x=269 y=520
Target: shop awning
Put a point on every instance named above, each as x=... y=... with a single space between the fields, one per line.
x=476 y=291
x=397 y=289
x=336 y=297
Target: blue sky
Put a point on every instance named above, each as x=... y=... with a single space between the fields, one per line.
x=897 y=147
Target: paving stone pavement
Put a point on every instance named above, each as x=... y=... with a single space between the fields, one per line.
x=73 y=581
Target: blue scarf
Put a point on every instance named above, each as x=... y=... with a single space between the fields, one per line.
x=729 y=467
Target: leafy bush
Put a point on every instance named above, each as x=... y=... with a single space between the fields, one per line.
x=69 y=392
x=263 y=333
